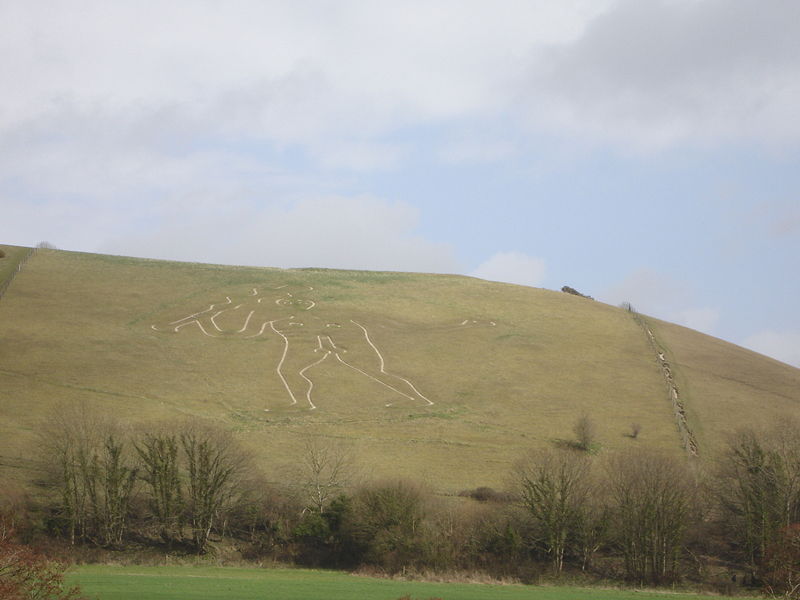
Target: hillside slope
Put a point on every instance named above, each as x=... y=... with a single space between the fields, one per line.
x=443 y=378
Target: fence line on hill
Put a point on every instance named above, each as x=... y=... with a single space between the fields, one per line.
x=20 y=264
x=678 y=407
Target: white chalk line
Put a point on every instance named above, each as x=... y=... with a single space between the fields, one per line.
x=246 y=322
x=341 y=360
x=280 y=363
x=210 y=308
x=199 y=324
x=383 y=370
x=214 y=316
x=311 y=383
x=263 y=327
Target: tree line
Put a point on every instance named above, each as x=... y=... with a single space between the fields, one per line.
x=637 y=515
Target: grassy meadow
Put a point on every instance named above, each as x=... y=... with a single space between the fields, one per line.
x=506 y=367
x=226 y=583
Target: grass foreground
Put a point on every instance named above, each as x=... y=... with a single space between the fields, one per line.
x=211 y=583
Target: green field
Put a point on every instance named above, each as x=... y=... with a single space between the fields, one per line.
x=443 y=379
x=226 y=583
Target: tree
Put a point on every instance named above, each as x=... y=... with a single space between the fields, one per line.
x=650 y=497
x=781 y=569
x=554 y=488
x=328 y=469
x=758 y=486
x=86 y=456
x=158 y=454
x=117 y=479
x=214 y=465
x=384 y=523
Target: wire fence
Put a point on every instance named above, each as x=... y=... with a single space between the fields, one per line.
x=20 y=264
x=682 y=422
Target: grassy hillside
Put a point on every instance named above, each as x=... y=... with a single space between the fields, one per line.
x=443 y=378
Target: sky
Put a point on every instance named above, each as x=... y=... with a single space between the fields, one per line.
x=645 y=151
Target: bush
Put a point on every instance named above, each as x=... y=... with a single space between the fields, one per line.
x=486 y=494
x=782 y=565
x=2 y=253
x=27 y=575
x=385 y=524
x=585 y=433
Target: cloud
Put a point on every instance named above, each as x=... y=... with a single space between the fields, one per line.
x=285 y=71
x=654 y=74
x=649 y=292
x=475 y=151
x=341 y=232
x=512 y=267
x=784 y=346
x=701 y=319
x=664 y=297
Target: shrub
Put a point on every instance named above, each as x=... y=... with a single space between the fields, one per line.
x=485 y=494
x=27 y=575
x=782 y=565
x=385 y=524
x=585 y=433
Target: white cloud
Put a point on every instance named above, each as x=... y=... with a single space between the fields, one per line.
x=283 y=70
x=653 y=74
x=784 y=346
x=664 y=297
x=512 y=267
x=701 y=319
x=341 y=232
x=649 y=292
x=476 y=151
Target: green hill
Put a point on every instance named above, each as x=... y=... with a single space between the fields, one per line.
x=442 y=378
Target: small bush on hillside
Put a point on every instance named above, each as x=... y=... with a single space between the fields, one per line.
x=485 y=494
x=2 y=253
x=585 y=433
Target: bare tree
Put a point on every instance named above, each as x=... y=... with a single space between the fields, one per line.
x=329 y=467
x=554 y=487
x=385 y=523
x=758 y=486
x=650 y=496
x=158 y=454
x=86 y=456
x=214 y=464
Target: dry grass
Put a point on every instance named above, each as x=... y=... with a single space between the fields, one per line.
x=77 y=327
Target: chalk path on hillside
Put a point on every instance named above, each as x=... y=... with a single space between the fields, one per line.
x=283 y=327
